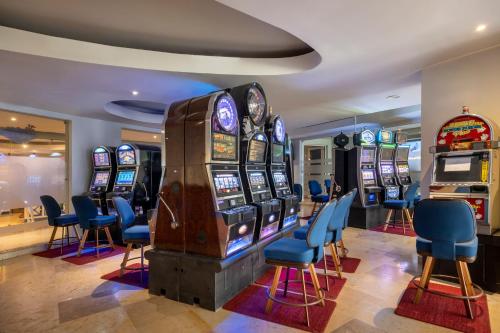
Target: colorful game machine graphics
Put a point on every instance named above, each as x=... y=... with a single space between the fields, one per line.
x=252 y=107
x=276 y=167
x=103 y=176
x=465 y=156
x=401 y=165
x=385 y=165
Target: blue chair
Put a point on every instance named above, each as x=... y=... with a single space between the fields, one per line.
x=316 y=194
x=328 y=184
x=446 y=230
x=131 y=234
x=353 y=192
x=89 y=220
x=402 y=205
x=300 y=254
x=57 y=220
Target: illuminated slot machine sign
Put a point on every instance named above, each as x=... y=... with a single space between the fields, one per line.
x=224 y=131
x=101 y=178
x=125 y=178
x=101 y=158
x=257 y=149
x=126 y=155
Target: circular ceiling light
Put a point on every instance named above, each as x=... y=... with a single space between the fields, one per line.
x=143 y=111
x=481 y=27
x=135 y=92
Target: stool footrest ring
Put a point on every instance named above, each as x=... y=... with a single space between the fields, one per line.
x=440 y=293
x=317 y=301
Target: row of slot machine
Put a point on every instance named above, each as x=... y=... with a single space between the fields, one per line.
x=377 y=165
x=130 y=171
x=225 y=185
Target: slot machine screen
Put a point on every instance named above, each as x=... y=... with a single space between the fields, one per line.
x=101 y=178
x=257 y=180
x=403 y=169
x=402 y=154
x=223 y=146
x=226 y=183
x=125 y=177
x=386 y=154
x=126 y=157
x=367 y=156
x=387 y=169
x=101 y=159
x=280 y=180
x=368 y=177
x=278 y=154
x=460 y=169
x=257 y=151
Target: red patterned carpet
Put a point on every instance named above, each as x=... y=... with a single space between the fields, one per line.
x=131 y=278
x=445 y=311
x=56 y=251
x=88 y=255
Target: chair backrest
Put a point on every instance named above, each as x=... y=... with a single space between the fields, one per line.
x=317 y=231
x=52 y=208
x=314 y=187
x=85 y=209
x=411 y=193
x=338 y=217
x=445 y=222
x=328 y=184
x=125 y=212
x=354 y=192
x=297 y=190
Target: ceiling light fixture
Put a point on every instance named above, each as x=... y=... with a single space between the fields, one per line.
x=32 y=155
x=135 y=92
x=155 y=136
x=55 y=154
x=13 y=119
x=393 y=97
x=481 y=27
x=162 y=131
x=25 y=146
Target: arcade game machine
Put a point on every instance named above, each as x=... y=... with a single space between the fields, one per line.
x=339 y=165
x=385 y=165
x=203 y=251
x=252 y=109
x=276 y=167
x=401 y=163
x=138 y=176
x=361 y=173
x=103 y=176
x=465 y=162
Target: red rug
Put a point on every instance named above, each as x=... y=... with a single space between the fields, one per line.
x=132 y=278
x=349 y=265
x=396 y=230
x=445 y=311
x=252 y=302
x=88 y=255
x=55 y=251
x=335 y=283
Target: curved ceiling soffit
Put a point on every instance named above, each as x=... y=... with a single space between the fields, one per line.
x=20 y=41
x=143 y=111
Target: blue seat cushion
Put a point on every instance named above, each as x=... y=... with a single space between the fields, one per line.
x=463 y=250
x=65 y=220
x=301 y=233
x=395 y=204
x=136 y=233
x=319 y=198
x=102 y=221
x=290 y=250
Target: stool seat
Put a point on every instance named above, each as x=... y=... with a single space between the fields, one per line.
x=65 y=220
x=395 y=204
x=301 y=233
x=102 y=221
x=137 y=233
x=290 y=250
x=320 y=198
x=466 y=250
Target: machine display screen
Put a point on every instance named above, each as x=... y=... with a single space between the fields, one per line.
x=101 y=178
x=367 y=156
x=257 y=151
x=227 y=182
x=280 y=180
x=101 y=159
x=368 y=177
x=402 y=154
x=386 y=154
x=387 y=169
x=223 y=146
x=125 y=177
x=126 y=157
x=257 y=180
x=403 y=169
x=459 y=169
x=457 y=164
x=278 y=153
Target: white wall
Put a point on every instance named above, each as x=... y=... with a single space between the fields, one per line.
x=474 y=81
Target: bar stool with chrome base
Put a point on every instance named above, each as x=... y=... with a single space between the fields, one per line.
x=131 y=234
x=58 y=220
x=402 y=205
x=89 y=219
x=300 y=254
x=446 y=230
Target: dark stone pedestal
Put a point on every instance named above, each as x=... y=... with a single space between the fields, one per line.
x=206 y=281
x=367 y=217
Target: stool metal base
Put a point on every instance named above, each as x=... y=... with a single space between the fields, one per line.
x=123 y=265
x=480 y=291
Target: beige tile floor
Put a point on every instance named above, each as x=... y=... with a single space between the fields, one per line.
x=51 y=295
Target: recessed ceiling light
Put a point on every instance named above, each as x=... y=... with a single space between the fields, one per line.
x=480 y=27
x=25 y=146
x=155 y=136
x=55 y=154
x=135 y=92
x=13 y=118
x=392 y=97
x=32 y=155
x=162 y=131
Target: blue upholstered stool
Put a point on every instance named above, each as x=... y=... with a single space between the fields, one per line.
x=89 y=220
x=57 y=220
x=131 y=234
x=300 y=254
x=316 y=194
x=403 y=206
x=446 y=230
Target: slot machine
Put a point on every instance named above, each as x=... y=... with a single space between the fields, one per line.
x=385 y=165
x=138 y=176
x=103 y=176
x=276 y=166
x=401 y=165
x=252 y=109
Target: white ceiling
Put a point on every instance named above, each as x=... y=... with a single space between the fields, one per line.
x=367 y=50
